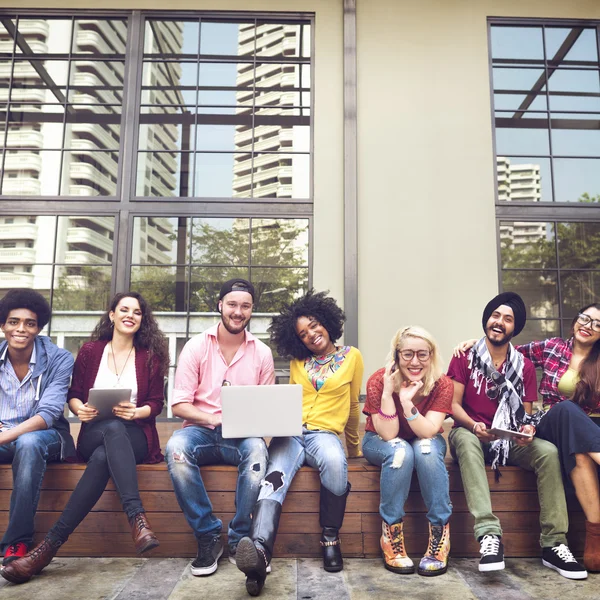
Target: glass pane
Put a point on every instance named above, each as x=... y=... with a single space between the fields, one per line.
x=524 y=179
x=81 y=288
x=169 y=82
x=525 y=136
x=206 y=284
x=222 y=175
x=574 y=89
x=89 y=173
x=101 y=83
x=164 y=288
x=283 y=39
x=85 y=240
x=35 y=126
x=31 y=173
x=216 y=138
x=281 y=242
x=527 y=244
x=276 y=288
x=524 y=43
x=573 y=43
x=538 y=329
x=165 y=136
x=519 y=80
x=36 y=277
x=579 y=245
x=281 y=176
x=92 y=135
x=162 y=37
x=221 y=241
x=578 y=289
x=27 y=239
x=221 y=38
x=100 y=36
x=45 y=36
x=576 y=137
x=538 y=289
x=164 y=174
x=577 y=180
x=160 y=240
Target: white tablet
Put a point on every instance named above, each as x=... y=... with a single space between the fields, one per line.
x=507 y=434
x=104 y=399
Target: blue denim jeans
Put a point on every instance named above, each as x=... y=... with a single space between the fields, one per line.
x=397 y=459
x=193 y=446
x=28 y=454
x=322 y=450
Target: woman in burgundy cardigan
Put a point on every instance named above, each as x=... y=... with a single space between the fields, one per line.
x=127 y=350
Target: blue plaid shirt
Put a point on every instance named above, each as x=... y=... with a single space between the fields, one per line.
x=17 y=398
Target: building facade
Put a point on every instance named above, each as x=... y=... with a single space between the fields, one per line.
x=412 y=157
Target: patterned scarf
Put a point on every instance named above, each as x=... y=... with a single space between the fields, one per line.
x=319 y=368
x=510 y=413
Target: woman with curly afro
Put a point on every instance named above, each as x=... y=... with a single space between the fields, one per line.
x=331 y=376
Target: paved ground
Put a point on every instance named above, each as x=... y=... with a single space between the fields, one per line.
x=302 y=579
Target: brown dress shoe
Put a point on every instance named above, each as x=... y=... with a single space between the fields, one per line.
x=591 y=553
x=23 y=569
x=143 y=537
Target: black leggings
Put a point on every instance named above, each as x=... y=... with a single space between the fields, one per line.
x=112 y=448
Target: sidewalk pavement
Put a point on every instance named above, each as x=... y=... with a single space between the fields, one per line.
x=297 y=579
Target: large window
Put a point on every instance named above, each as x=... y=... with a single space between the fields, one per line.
x=546 y=100
x=158 y=154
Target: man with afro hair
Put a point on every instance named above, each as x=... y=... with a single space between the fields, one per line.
x=34 y=379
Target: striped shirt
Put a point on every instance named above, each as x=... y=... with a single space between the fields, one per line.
x=17 y=398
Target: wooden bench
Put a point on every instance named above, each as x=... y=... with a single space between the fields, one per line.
x=105 y=532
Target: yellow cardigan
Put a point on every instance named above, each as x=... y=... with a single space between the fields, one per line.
x=335 y=406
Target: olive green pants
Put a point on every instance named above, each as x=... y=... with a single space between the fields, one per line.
x=540 y=456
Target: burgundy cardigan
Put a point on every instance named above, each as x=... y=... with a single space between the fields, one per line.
x=150 y=390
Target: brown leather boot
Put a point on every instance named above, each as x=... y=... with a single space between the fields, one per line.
x=23 y=569
x=591 y=552
x=143 y=537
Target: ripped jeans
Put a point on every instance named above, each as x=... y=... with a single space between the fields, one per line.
x=322 y=450
x=194 y=446
x=397 y=459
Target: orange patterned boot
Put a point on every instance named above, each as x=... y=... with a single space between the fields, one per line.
x=395 y=558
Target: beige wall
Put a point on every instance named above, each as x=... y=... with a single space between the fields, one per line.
x=427 y=239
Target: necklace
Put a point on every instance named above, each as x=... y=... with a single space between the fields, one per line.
x=324 y=358
x=115 y=362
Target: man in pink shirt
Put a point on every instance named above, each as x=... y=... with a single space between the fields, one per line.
x=225 y=354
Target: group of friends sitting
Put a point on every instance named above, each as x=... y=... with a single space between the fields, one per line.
x=489 y=390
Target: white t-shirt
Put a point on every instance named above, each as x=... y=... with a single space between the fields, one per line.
x=107 y=379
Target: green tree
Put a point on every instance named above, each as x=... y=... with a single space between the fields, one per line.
x=576 y=245
x=81 y=288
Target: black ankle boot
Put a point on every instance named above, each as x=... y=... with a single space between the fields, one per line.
x=332 y=509
x=254 y=553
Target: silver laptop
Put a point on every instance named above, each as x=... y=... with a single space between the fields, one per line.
x=261 y=410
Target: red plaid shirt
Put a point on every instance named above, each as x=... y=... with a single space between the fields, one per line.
x=553 y=356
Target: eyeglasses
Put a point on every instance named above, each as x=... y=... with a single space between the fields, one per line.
x=422 y=355
x=586 y=320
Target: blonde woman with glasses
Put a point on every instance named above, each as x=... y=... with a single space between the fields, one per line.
x=407 y=402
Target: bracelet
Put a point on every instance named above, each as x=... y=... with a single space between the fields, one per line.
x=413 y=416
x=388 y=417
x=476 y=423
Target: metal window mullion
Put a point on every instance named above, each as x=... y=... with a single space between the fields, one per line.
x=350 y=176
x=123 y=242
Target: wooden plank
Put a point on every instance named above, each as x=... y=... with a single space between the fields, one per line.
x=183 y=545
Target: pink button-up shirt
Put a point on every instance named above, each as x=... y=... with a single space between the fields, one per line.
x=202 y=369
